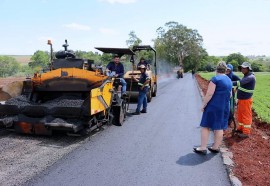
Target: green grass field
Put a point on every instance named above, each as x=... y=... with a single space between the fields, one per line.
x=261 y=97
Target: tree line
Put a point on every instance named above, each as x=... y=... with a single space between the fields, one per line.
x=176 y=45
x=40 y=61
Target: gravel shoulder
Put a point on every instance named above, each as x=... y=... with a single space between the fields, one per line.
x=24 y=156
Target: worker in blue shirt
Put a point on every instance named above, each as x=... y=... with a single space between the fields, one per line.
x=116 y=69
x=143 y=84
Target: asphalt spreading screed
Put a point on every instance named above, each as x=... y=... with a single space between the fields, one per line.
x=22 y=101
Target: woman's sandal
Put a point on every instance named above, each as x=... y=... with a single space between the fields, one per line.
x=213 y=150
x=196 y=150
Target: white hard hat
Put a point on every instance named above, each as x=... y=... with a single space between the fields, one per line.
x=142 y=66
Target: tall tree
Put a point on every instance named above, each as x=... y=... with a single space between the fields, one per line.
x=237 y=57
x=133 y=39
x=88 y=55
x=177 y=42
x=195 y=60
x=106 y=58
x=40 y=59
x=257 y=66
x=234 y=63
x=8 y=66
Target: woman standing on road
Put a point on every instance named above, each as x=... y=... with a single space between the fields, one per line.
x=216 y=109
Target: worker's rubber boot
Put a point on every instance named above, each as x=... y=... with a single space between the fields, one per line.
x=124 y=95
x=242 y=135
x=136 y=113
x=143 y=111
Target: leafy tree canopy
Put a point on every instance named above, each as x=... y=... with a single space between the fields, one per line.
x=88 y=55
x=175 y=42
x=237 y=57
x=40 y=59
x=8 y=66
x=257 y=67
x=106 y=58
x=234 y=63
x=133 y=39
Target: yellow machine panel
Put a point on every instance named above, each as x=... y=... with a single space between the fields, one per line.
x=68 y=73
x=101 y=98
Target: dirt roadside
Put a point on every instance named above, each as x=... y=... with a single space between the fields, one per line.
x=5 y=81
x=251 y=156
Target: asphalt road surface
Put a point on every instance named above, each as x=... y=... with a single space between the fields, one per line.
x=150 y=149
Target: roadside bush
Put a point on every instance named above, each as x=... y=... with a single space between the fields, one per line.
x=234 y=63
x=257 y=67
x=210 y=67
x=8 y=66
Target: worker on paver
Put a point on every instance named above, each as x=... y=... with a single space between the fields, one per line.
x=245 y=91
x=143 y=83
x=116 y=69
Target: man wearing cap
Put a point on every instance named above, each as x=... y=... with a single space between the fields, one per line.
x=244 y=95
x=116 y=69
x=230 y=74
x=142 y=62
x=143 y=83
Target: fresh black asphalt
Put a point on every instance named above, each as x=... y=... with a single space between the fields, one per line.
x=150 y=149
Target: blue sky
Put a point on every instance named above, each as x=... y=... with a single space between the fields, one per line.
x=227 y=26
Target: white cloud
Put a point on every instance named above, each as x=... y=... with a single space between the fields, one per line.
x=118 y=1
x=108 y=31
x=76 y=26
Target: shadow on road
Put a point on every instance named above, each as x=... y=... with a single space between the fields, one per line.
x=192 y=159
